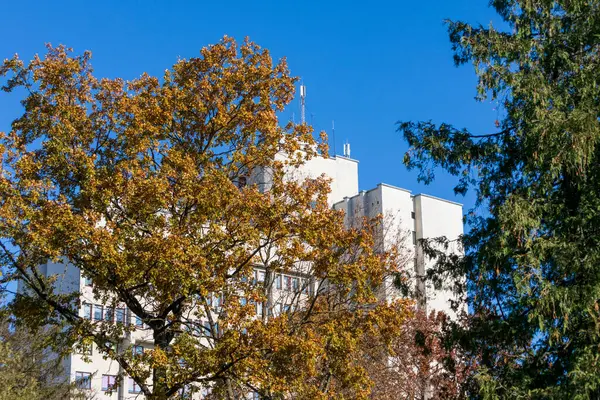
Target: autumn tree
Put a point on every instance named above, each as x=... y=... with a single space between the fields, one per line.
x=419 y=363
x=172 y=196
x=532 y=255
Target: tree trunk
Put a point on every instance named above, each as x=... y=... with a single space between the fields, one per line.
x=159 y=373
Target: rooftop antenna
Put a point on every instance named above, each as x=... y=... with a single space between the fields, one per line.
x=302 y=104
x=347 y=149
x=333 y=136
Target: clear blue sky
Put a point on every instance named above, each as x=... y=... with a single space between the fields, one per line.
x=366 y=65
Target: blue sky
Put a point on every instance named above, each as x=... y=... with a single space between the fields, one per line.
x=366 y=65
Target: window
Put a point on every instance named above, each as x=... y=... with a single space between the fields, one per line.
x=217 y=301
x=414 y=237
x=138 y=350
x=206 y=326
x=134 y=387
x=412 y=214
x=243 y=301
x=277 y=309
x=296 y=283
x=185 y=392
x=87 y=311
x=109 y=383
x=286 y=308
x=288 y=283
x=242 y=181
x=138 y=321
x=109 y=314
x=278 y=281
x=188 y=328
x=84 y=349
x=87 y=281
x=260 y=276
x=305 y=283
x=97 y=312
x=83 y=380
x=120 y=316
x=196 y=329
x=259 y=309
x=110 y=346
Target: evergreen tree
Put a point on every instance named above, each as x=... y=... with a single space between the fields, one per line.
x=532 y=257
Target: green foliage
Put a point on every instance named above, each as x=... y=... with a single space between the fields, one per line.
x=532 y=259
x=27 y=370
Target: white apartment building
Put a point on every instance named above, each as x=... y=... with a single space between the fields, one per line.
x=406 y=218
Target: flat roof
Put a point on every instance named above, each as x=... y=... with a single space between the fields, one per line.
x=438 y=198
x=345 y=158
x=394 y=187
x=401 y=189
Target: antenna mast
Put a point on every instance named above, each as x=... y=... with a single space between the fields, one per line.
x=333 y=134
x=302 y=104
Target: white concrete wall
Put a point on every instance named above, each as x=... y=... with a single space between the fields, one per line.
x=395 y=206
x=398 y=226
x=436 y=218
x=433 y=218
x=342 y=171
x=67 y=276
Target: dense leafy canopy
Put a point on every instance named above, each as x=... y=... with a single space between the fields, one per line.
x=139 y=185
x=533 y=256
